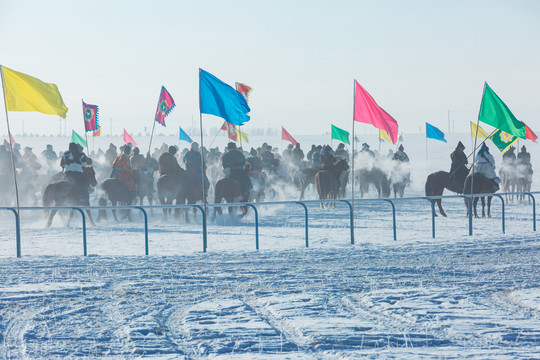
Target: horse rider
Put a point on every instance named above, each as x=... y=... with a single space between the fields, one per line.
x=49 y=154
x=327 y=157
x=168 y=165
x=316 y=158
x=524 y=160
x=233 y=162
x=121 y=169
x=367 y=151
x=509 y=157
x=267 y=158
x=111 y=153
x=73 y=162
x=400 y=155
x=137 y=159
x=297 y=155
x=255 y=168
x=485 y=164
x=309 y=155
x=458 y=168
x=287 y=153
x=194 y=164
x=341 y=152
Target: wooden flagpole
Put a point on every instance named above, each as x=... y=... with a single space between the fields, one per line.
x=151 y=136
x=18 y=226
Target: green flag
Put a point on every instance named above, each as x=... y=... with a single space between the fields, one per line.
x=340 y=134
x=495 y=113
x=77 y=139
x=503 y=140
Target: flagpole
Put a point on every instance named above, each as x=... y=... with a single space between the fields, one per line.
x=476 y=139
x=203 y=167
x=352 y=167
x=217 y=135
x=151 y=136
x=427 y=170
x=18 y=226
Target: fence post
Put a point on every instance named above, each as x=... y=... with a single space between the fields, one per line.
x=203 y=225
x=145 y=229
x=306 y=216
x=502 y=202
x=83 y=228
x=393 y=217
x=17 y=230
x=256 y=225
x=351 y=226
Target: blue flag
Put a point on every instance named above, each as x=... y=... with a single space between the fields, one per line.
x=433 y=133
x=184 y=136
x=220 y=99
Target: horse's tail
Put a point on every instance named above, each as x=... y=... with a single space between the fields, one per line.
x=102 y=201
x=428 y=187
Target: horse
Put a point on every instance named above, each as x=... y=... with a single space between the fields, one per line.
x=326 y=180
x=144 y=184
x=436 y=183
x=66 y=193
x=400 y=177
x=509 y=180
x=376 y=177
x=230 y=190
x=117 y=193
x=524 y=180
x=168 y=189
x=181 y=189
x=478 y=183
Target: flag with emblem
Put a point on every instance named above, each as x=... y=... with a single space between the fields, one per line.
x=244 y=90
x=503 y=140
x=165 y=106
x=90 y=116
x=98 y=131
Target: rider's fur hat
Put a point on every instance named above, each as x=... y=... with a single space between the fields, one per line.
x=460 y=145
x=400 y=148
x=523 y=148
x=172 y=149
x=231 y=145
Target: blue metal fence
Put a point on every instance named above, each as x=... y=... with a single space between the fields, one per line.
x=204 y=212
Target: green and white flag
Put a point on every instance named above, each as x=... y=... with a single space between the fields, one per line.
x=77 y=139
x=340 y=134
x=503 y=140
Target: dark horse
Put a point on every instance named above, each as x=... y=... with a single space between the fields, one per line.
x=181 y=189
x=378 y=178
x=326 y=180
x=437 y=182
x=117 y=193
x=66 y=193
x=478 y=183
x=230 y=190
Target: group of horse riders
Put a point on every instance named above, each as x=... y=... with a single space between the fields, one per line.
x=485 y=164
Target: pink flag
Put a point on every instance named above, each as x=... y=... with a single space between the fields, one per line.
x=367 y=111
x=128 y=139
x=286 y=136
x=11 y=139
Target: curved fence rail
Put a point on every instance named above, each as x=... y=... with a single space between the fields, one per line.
x=351 y=204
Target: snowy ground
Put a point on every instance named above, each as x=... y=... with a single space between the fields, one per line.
x=455 y=296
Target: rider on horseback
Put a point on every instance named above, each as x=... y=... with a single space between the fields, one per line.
x=458 y=169
x=485 y=164
x=194 y=164
x=73 y=162
x=268 y=159
x=524 y=160
x=168 y=165
x=234 y=161
x=121 y=169
x=255 y=168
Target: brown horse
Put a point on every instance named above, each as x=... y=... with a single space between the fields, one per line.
x=66 y=193
x=437 y=182
x=182 y=189
x=376 y=177
x=478 y=183
x=326 y=180
x=117 y=193
x=230 y=190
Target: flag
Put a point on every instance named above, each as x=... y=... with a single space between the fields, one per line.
x=400 y=138
x=77 y=139
x=11 y=139
x=529 y=134
x=219 y=99
x=340 y=135
x=128 y=139
x=286 y=136
x=383 y=136
x=98 y=131
x=481 y=133
x=367 y=111
x=184 y=136
x=244 y=90
x=503 y=140
x=494 y=112
x=356 y=139
x=164 y=106
x=242 y=136
x=26 y=93
x=231 y=131
x=90 y=116
x=433 y=133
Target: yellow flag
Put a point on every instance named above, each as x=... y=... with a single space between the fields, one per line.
x=242 y=136
x=383 y=135
x=26 y=93
x=481 y=133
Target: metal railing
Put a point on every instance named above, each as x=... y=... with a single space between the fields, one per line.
x=254 y=207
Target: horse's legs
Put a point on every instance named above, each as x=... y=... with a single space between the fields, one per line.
x=51 y=216
x=475 y=202
x=439 y=204
x=113 y=203
x=483 y=206
x=489 y=206
x=69 y=217
x=89 y=217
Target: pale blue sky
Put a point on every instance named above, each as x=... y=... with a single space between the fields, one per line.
x=418 y=59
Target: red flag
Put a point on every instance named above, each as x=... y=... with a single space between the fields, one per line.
x=128 y=139
x=231 y=131
x=243 y=89
x=529 y=134
x=165 y=106
x=224 y=126
x=90 y=116
x=286 y=136
x=367 y=111
x=98 y=131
